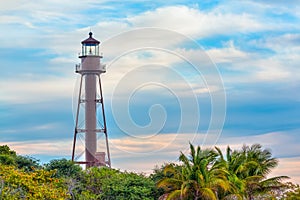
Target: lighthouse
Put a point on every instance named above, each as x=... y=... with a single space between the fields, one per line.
x=90 y=122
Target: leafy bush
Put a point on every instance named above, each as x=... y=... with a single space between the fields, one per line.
x=39 y=184
x=10 y=157
x=64 y=168
x=105 y=183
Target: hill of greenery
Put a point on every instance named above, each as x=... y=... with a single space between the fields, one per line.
x=203 y=174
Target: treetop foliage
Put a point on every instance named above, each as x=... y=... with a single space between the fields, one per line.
x=207 y=174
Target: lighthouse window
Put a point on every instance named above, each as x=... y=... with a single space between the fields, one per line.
x=90 y=49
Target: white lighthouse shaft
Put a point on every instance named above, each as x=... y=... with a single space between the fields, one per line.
x=90 y=66
x=90 y=117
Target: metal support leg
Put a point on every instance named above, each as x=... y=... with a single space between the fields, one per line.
x=76 y=120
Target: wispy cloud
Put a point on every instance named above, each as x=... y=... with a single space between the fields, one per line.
x=32 y=91
x=196 y=23
x=148 y=151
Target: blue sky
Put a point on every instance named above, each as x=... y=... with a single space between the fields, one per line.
x=246 y=53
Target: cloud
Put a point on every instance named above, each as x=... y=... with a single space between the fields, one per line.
x=193 y=22
x=196 y=23
x=290 y=42
x=174 y=143
x=162 y=148
x=41 y=148
x=257 y=66
x=40 y=127
x=229 y=53
x=277 y=141
x=7 y=19
x=32 y=91
x=288 y=167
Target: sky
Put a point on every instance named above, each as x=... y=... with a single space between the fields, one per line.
x=213 y=73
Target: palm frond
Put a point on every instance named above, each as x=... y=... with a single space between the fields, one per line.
x=220 y=153
x=175 y=195
x=169 y=184
x=207 y=193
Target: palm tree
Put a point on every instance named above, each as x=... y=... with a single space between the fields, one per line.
x=172 y=181
x=208 y=174
x=248 y=170
x=233 y=165
x=258 y=164
x=200 y=176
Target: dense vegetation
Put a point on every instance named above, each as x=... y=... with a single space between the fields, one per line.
x=205 y=174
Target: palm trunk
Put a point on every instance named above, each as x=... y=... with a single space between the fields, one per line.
x=197 y=195
x=250 y=197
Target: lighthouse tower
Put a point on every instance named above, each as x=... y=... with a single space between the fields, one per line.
x=90 y=120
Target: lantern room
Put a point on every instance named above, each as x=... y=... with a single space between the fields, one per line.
x=90 y=46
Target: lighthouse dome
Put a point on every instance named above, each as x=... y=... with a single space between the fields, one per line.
x=90 y=46
x=90 y=40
